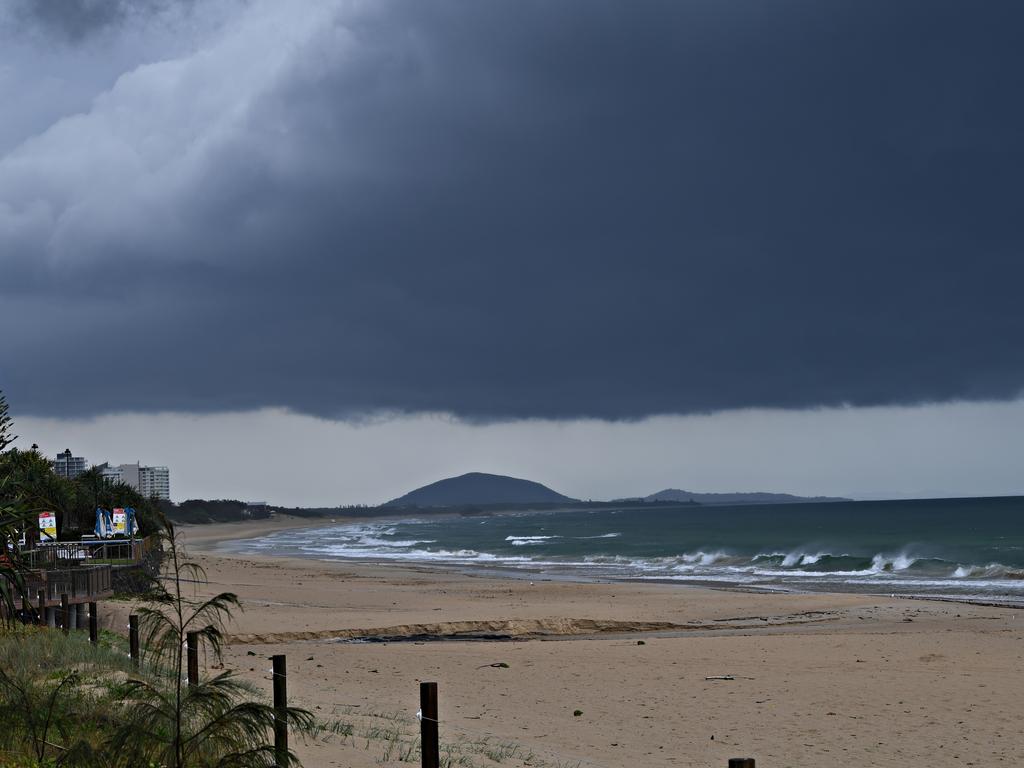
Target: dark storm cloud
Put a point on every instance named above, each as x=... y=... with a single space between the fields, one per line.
x=76 y=19
x=517 y=209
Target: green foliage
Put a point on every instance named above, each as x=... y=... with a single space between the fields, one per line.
x=209 y=511
x=54 y=699
x=6 y=435
x=64 y=702
x=13 y=516
x=28 y=485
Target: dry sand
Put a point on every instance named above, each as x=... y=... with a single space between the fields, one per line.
x=820 y=679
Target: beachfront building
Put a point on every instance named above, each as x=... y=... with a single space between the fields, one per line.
x=155 y=482
x=121 y=473
x=149 y=481
x=69 y=466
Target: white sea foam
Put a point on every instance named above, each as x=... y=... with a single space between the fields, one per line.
x=703 y=558
x=806 y=566
x=524 y=541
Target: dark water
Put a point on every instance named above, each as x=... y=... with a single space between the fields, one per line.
x=966 y=548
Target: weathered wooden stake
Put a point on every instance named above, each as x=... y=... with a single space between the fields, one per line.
x=429 y=745
x=280 y=711
x=741 y=762
x=41 y=597
x=94 y=624
x=65 y=614
x=192 y=646
x=133 y=638
x=26 y=609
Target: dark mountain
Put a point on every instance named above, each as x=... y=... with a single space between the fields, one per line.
x=479 y=488
x=676 y=494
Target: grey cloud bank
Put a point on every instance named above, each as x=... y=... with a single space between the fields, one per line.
x=967 y=449
x=510 y=209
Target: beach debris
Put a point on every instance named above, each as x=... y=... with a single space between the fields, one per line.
x=641 y=642
x=496 y=665
x=721 y=677
x=577 y=712
x=250 y=653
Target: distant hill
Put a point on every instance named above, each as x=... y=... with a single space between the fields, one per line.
x=479 y=488
x=676 y=494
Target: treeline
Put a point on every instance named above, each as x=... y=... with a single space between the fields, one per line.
x=211 y=511
x=30 y=484
x=227 y=510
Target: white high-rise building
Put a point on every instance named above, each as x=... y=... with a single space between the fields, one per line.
x=149 y=481
x=155 y=481
x=69 y=466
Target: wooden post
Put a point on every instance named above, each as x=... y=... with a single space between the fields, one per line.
x=65 y=614
x=26 y=609
x=41 y=597
x=192 y=646
x=280 y=711
x=429 y=745
x=94 y=624
x=133 y=639
x=741 y=762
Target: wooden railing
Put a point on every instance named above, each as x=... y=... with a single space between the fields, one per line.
x=61 y=554
x=85 y=584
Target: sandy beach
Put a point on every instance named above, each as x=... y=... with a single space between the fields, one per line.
x=816 y=678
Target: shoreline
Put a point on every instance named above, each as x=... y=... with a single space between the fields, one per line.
x=816 y=677
x=213 y=535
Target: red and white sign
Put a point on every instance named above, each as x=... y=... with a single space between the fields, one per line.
x=47 y=526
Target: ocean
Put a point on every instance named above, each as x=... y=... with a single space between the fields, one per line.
x=969 y=549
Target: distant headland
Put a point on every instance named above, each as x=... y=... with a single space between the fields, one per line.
x=480 y=488
x=471 y=493
x=756 y=497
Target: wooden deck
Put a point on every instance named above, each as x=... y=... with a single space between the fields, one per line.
x=85 y=584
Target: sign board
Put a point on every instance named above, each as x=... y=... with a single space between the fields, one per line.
x=47 y=526
x=120 y=522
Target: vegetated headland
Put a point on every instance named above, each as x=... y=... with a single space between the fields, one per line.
x=473 y=493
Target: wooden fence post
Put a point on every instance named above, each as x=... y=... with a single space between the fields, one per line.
x=133 y=639
x=94 y=626
x=429 y=745
x=65 y=613
x=741 y=762
x=41 y=597
x=192 y=648
x=280 y=673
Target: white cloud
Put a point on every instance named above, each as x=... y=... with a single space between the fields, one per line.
x=119 y=177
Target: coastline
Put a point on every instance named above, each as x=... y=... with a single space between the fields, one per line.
x=210 y=538
x=817 y=677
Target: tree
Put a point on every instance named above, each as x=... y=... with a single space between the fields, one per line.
x=13 y=518
x=210 y=723
x=6 y=436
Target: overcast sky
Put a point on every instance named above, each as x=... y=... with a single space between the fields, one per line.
x=617 y=245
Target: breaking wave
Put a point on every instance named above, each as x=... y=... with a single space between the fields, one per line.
x=525 y=541
x=574 y=551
